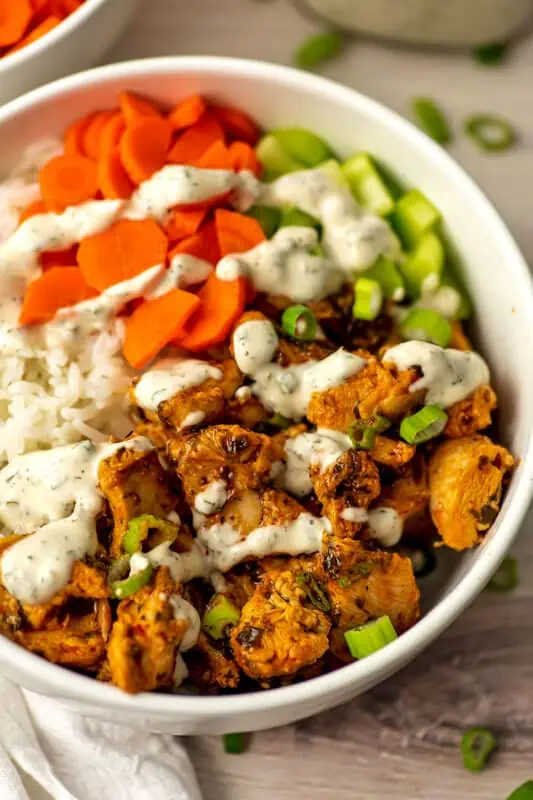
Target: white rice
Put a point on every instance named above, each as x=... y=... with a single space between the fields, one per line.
x=54 y=396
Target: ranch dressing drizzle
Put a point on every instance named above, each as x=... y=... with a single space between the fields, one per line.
x=57 y=492
x=448 y=375
x=321 y=448
x=184 y=610
x=183 y=567
x=287 y=390
x=212 y=498
x=170 y=376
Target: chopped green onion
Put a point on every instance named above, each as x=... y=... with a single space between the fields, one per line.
x=432 y=120
x=268 y=218
x=304 y=146
x=363 y=433
x=505 y=579
x=367 y=184
x=140 y=527
x=319 y=48
x=219 y=614
x=422 y=268
x=299 y=322
x=274 y=157
x=477 y=745
x=131 y=584
x=368 y=299
x=293 y=216
x=414 y=216
x=371 y=637
x=490 y=54
x=422 y=558
x=426 y=424
x=451 y=281
x=313 y=590
x=385 y=272
x=235 y=743
x=524 y=792
x=279 y=421
x=426 y=325
x=490 y=132
x=118 y=569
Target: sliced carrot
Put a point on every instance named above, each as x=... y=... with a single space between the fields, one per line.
x=15 y=18
x=203 y=244
x=68 y=180
x=37 y=207
x=222 y=305
x=59 y=258
x=187 y=112
x=184 y=223
x=93 y=132
x=216 y=157
x=75 y=133
x=55 y=289
x=113 y=180
x=124 y=250
x=70 y=6
x=236 y=124
x=40 y=30
x=242 y=156
x=112 y=133
x=236 y=233
x=193 y=143
x=135 y=107
x=144 y=147
x=155 y=323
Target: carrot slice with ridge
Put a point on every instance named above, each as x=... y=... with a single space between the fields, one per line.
x=38 y=32
x=67 y=180
x=93 y=132
x=237 y=124
x=124 y=250
x=144 y=147
x=37 y=207
x=242 y=156
x=57 y=288
x=193 y=142
x=222 y=304
x=155 y=323
x=113 y=180
x=184 y=223
x=135 y=107
x=187 y=112
x=15 y=18
x=112 y=133
x=237 y=233
x=216 y=157
x=203 y=244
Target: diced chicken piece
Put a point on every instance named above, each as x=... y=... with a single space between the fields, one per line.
x=246 y=411
x=210 y=668
x=472 y=414
x=352 y=482
x=134 y=483
x=240 y=457
x=408 y=495
x=208 y=398
x=279 y=632
x=377 y=389
x=11 y=618
x=145 y=638
x=367 y=584
x=466 y=479
x=85 y=651
x=291 y=352
x=392 y=453
x=459 y=340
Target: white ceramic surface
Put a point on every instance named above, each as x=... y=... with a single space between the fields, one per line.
x=75 y=44
x=495 y=274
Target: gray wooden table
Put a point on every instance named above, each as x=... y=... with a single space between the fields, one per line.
x=400 y=740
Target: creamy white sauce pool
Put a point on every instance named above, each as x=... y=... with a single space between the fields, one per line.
x=448 y=375
x=170 y=376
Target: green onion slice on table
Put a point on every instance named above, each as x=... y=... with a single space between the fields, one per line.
x=235 y=743
x=368 y=299
x=477 y=746
x=491 y=54
x=319 y=48
x=426 y=325
x=490 y=132
x=505 y=579
x=299 y=322
x=523 y=792
x=220 y=614
x=370 y=637
x=426 y=424
x=431 y=119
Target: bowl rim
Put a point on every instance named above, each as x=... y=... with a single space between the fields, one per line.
x=65 y=684
x=65 y=27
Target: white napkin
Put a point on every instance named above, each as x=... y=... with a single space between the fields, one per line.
x=75 y=758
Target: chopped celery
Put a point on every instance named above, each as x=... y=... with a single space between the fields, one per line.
x=293 y=216
x=451 y=281
x=422 y=268
x=303 y=145
x=368 y=299
x=386 y=273
x=274 y=157
x=414 y=216
x=427 y=325
x=367 y=185
x=333 y=169
x=268 y=218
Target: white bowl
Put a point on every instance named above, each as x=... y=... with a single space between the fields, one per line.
x=495 y=274
x=75 y=44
